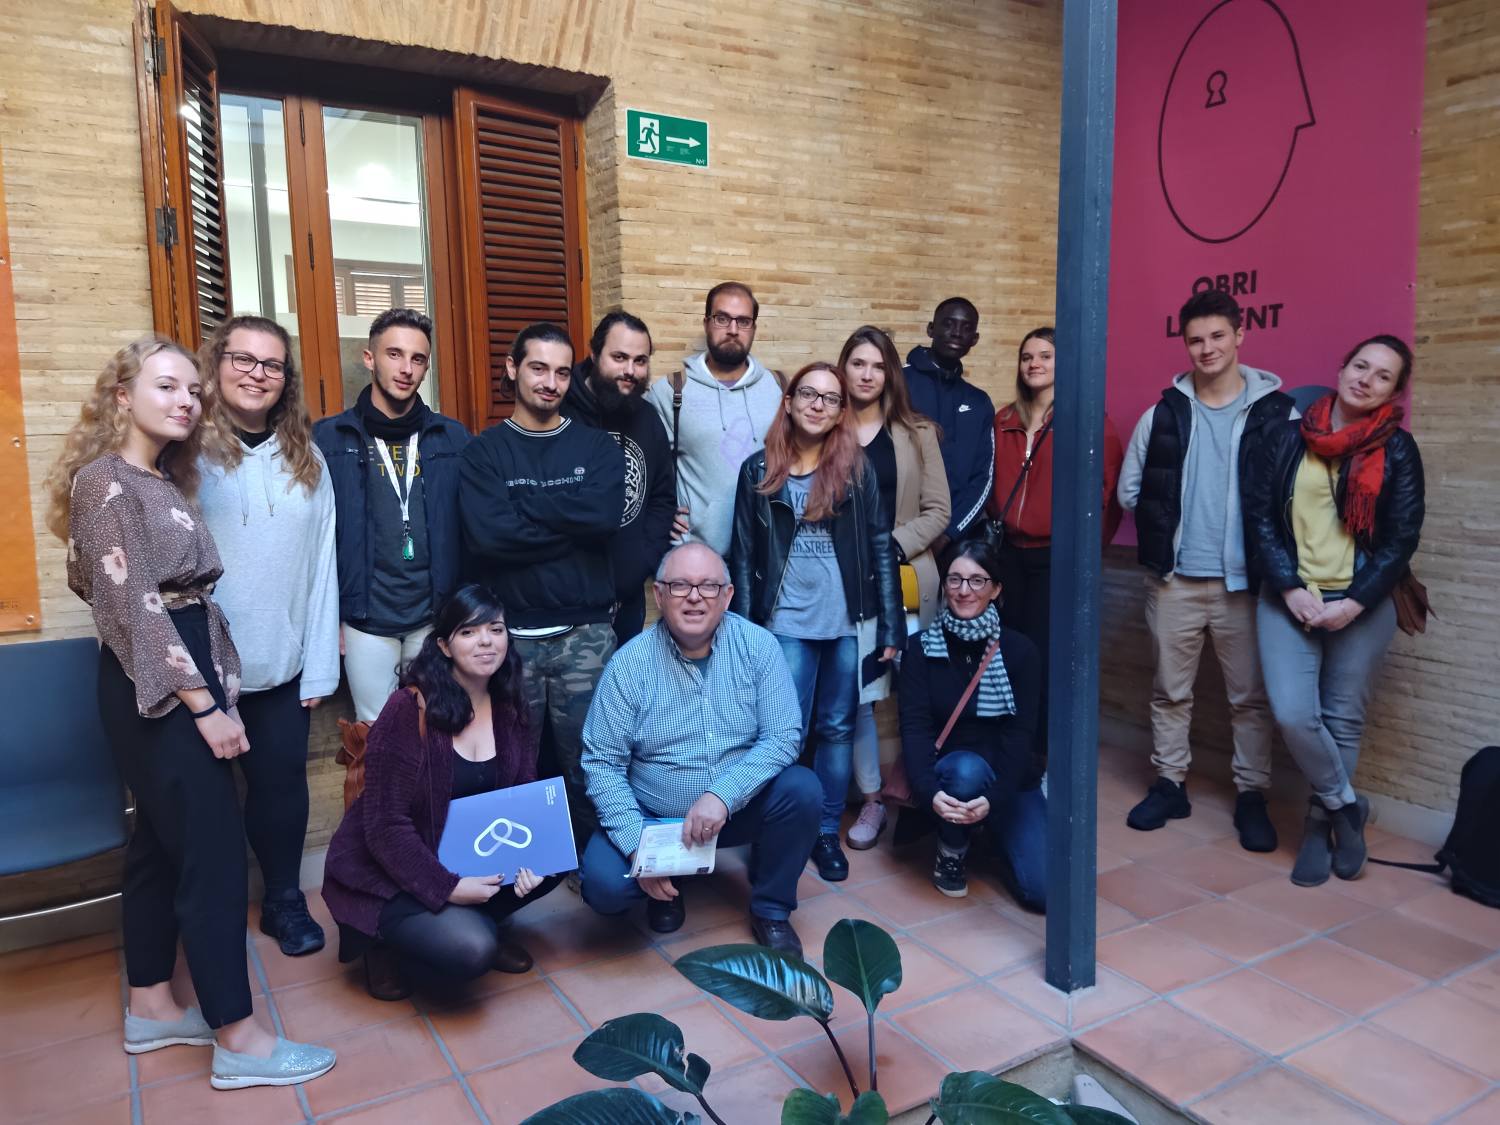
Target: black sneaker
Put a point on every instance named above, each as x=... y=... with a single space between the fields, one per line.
x=949 y=877
x=1164 y=801
x=286 y=919
x=666 y=917
x=776 y=934
x=1257 y=833
x=831 y=862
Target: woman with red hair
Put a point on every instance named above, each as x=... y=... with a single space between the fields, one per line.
x=812 y=561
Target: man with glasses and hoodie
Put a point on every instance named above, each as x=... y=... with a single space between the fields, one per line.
x=607 y=392
x=541 y=496
x=963 y=412
x=393 y=463
x=720 y=416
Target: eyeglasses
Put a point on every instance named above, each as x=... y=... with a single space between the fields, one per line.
x=806 y=396
x=975 y=582
x=708 y=591
x=245 y=363
x=724 y=320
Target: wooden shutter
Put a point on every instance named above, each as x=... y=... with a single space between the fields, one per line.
x=521 y=232
x=183 y=161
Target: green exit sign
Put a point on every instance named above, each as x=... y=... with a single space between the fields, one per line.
x=672 y=140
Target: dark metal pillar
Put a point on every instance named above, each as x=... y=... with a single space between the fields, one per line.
x=1084 y=191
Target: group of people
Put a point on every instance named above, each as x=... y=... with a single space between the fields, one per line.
x=813 y=544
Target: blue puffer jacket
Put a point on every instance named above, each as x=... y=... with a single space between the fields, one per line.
x=345 y=444
x=966 y=417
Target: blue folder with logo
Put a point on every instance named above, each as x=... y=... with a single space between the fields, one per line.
x=500 y=832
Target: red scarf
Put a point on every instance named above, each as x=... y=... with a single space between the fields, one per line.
x=1363 y=442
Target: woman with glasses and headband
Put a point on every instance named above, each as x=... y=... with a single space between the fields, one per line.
x=902 y=448
x=968 y=753
x=268 y=501
x=812 y=562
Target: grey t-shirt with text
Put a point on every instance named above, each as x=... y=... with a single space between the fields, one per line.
x=811 y=605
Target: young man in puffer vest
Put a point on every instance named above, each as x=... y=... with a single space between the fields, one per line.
x=1181 y=478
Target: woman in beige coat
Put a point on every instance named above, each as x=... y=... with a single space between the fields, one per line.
x=902 y=448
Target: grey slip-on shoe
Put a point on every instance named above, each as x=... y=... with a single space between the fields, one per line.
x=142 y=1035
x=290 y=1064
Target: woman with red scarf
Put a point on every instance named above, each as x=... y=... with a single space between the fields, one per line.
x=1333 y=509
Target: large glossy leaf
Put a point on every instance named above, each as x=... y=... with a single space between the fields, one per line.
x=620 y=1105
x=759 y=981
x=1091 y=1115
x=644 y=1043
x=864 y=959
x=972 y=1097
x=803 y=1107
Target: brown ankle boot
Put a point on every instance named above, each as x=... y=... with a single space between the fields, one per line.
x=383 y=977
x=511 y=958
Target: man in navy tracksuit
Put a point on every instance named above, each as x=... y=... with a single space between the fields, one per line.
x=541 y=498
x=965 y=414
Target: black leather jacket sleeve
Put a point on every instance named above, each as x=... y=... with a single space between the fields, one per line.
x=888 y=605
x=742 y=549
x=1262 y=499
x=1398 y=523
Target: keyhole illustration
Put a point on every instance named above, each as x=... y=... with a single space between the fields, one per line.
x=1216 y=83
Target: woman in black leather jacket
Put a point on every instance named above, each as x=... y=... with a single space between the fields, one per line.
x=812 y=561
x=1333 y=510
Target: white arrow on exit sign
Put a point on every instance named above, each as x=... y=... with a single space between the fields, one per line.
x=691 y=142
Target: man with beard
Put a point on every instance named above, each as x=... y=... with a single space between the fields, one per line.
x=608 y=392
x=394 y=468
x=727 y=401
x=964 y=413
x=541 y=497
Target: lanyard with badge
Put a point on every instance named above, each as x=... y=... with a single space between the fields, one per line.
x=403 y=489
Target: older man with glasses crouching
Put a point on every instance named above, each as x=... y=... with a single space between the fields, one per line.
x=697 y=718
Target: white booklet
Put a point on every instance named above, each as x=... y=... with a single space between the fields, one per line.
x=662 y=853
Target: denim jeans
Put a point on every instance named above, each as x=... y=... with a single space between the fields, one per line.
x=827 y=677
x=1017 y=822
x=779 y=824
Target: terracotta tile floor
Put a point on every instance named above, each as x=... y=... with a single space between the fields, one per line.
x=1221 y=987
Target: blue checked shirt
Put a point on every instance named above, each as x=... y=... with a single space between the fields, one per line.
x=660 y=734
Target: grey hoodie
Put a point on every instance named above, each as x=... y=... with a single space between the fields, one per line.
x=1258 y=384
x=280 y=585
x=718 y=428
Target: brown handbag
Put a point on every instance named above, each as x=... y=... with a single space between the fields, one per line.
x=1412 y=604
x=351 y=754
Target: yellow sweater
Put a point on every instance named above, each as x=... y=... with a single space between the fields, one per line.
x=1325 y=549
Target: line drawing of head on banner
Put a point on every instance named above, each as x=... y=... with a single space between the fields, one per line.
x=1235 y=104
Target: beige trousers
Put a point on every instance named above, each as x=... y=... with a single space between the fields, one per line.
x=1180 y=612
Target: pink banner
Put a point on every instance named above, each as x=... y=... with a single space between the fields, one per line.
x=1270 y=150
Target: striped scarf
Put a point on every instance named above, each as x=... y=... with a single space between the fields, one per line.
x=994 y=694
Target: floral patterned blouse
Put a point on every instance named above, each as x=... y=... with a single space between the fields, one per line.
x=134 y=538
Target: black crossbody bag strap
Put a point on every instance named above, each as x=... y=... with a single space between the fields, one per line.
x=1025 y=468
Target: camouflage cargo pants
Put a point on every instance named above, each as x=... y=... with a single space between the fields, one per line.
x=561 y=673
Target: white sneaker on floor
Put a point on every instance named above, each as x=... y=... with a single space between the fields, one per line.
x=866 y=830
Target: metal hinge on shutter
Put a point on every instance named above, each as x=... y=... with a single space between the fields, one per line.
x=166 y=227
x=156 y=56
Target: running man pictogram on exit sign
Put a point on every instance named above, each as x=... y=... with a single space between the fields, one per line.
x=671 y=140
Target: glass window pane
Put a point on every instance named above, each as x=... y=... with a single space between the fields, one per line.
x=262 y=281
x=379 y=216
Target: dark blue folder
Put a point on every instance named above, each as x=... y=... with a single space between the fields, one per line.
x=500 y=832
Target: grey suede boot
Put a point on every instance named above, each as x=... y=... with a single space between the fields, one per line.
x=1349 y=838
x=1315 y=856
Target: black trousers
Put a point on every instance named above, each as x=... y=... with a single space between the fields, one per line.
x=1026 y=577
x=186 y=874
x=276 y=781
x=456 y=941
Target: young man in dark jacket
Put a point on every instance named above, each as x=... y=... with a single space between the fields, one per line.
x=1182 y=477
x=394 y=467
x=964 y=413
x=608 y=392
x=542 y=496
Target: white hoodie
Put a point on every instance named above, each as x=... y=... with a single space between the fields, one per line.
x=718 y=428
x=280 y=586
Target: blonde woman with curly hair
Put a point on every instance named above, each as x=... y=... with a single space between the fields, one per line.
x=141 y=556
x=268 y=501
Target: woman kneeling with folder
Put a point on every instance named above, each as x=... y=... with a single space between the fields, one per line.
x=451 y=730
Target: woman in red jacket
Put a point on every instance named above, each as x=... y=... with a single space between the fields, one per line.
x=384 y=885
x=1021 y=501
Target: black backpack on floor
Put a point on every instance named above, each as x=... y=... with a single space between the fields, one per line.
x=1472 y=851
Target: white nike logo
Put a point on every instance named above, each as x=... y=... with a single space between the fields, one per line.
x=963 y=408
